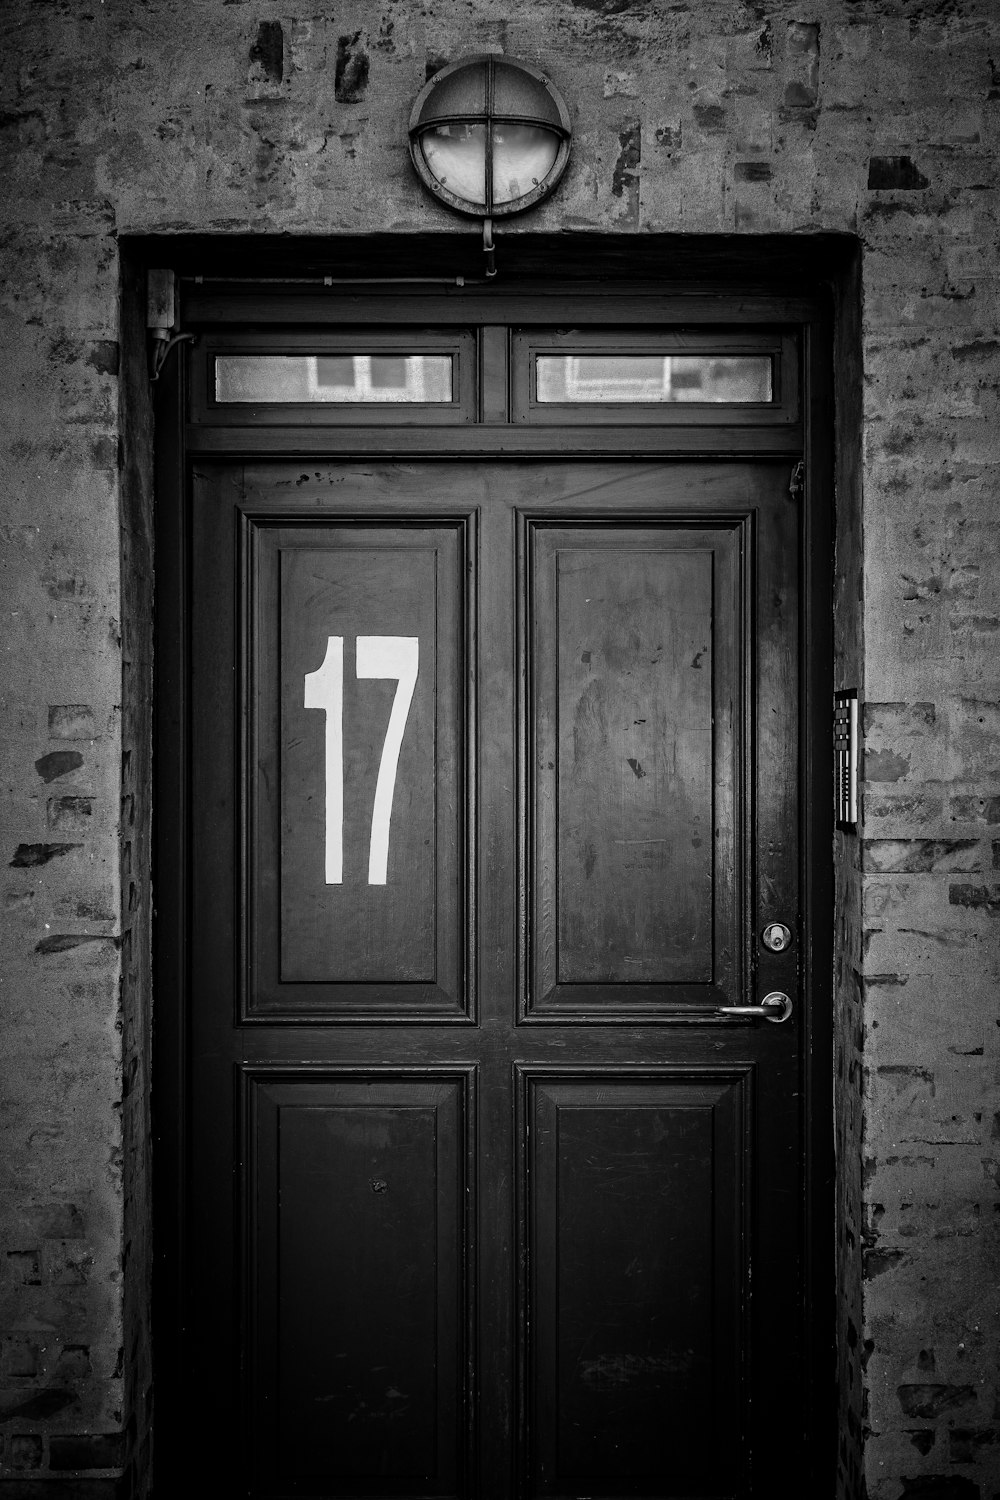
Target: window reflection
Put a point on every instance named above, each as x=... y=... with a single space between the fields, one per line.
x=303 y=378
x=654 y=377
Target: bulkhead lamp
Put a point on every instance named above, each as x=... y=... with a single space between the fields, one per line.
x=489 y=136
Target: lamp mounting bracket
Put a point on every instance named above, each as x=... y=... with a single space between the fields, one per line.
x=489 y=249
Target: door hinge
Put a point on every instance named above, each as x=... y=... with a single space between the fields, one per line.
x=797 y=483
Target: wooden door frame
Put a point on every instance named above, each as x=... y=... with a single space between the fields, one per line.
x=809 y=309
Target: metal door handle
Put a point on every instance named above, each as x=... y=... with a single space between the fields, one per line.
x=776 y=1006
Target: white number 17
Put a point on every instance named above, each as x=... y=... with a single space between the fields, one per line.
x=376 y=656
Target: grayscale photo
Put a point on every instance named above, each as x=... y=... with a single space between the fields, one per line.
x=500 y=748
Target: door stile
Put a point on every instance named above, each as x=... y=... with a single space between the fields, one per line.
x=171 y=803
x=217 y=1155
x=818 y=530
x=497 y=981
x=774 y=894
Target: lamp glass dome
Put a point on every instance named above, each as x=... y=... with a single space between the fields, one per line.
x=489 y=136
x=456 y=157
x=523 y=158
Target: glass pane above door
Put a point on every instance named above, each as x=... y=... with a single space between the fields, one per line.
x=291 y=379
x=715 y=378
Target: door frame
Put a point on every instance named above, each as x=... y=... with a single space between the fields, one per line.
x=808 y=310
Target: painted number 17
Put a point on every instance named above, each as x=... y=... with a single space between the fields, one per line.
x=376 y=656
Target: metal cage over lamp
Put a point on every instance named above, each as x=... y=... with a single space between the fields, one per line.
x=489 y=136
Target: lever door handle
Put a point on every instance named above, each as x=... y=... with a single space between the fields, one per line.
x=776 y=1006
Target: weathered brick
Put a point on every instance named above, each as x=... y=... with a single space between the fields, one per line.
x=73 y=1362
x=26 y=856
x=352 y=67
x=975 y=736
x=886 y=765
x=103 y=1450
x=72 y=721
x=895 y=173
x=57 y=1220
x=25 y=1266
x=19 y=1355
x=966 y=1443
x=58 y=763
x=982 y=897
x=931 y=1400
x=267 y=56
x=70 y=814
x=923 y=855
x=889 y=807
x=66 y=1263
x=25 y=1450
x=940 y=1487
x=28 y=1405
x=969 y=808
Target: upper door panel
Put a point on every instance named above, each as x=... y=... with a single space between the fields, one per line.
x=350 y=711
x=635 y=641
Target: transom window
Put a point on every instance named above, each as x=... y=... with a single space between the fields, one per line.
x=521 y=373
x=290 y=378
x=653 y=377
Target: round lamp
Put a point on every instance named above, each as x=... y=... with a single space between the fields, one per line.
x=489 y=136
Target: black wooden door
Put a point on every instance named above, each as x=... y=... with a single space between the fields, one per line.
x=495 y=782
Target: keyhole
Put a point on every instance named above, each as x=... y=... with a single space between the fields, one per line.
x=776 y=936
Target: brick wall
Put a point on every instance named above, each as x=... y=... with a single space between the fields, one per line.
x=878 y=118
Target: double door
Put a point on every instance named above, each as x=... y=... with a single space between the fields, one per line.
x=493 y=774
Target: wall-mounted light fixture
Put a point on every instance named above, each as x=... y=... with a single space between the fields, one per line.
x=490 y=137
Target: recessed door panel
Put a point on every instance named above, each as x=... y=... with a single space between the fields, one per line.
x=637 y=1273
x=358 y=780
x=633 y=639
x=356 y=1201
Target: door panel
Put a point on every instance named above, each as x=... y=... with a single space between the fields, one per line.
x=634 y=637
x=357 y=1353
x=509 y=1218
x=356 y=698
x=636 y=1282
